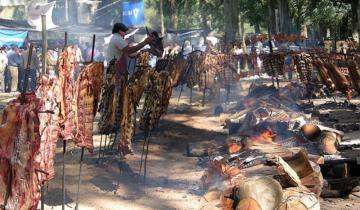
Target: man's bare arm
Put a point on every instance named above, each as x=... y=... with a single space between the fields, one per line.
x=132 y=49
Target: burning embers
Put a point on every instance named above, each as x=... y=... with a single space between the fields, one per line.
x=273 y=144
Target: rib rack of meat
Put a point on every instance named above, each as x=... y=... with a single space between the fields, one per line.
x=137 y=84
x=354 y=73
x=156 y=101
x=340 y=81
x=88 y=87
x=66 y=71
x=108 y=101
x=20 y=159
x=324 y=75
x=49 y=124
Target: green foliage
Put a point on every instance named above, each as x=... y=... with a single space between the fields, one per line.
x=313 y=13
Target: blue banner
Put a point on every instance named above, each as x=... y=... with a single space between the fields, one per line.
x=133 y=13
x=10 y=37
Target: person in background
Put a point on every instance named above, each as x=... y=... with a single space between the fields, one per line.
x=187 y=48
x=3 y=64
x=51 y=62
x=34 y=66
x=13 y=68
x=79 y=60
x=289 y=65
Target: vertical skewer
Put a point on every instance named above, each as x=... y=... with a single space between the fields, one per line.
x=93 y=49
x=42 y=196
x=101 y=137
x=79 y=179
x=142 y=156
x=191 y=93
x=181 y=90
x=146 y=156
x=63 y=176
x=104 y=145
x=204 y=91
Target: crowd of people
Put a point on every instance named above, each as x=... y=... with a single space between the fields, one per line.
x=13 y=62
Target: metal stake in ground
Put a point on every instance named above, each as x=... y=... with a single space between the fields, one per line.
x=101 y=137
x=191 y=94
x=146 y=151
x=181 y=90
x=27 y=72
x=79 y=179
x=63 y=176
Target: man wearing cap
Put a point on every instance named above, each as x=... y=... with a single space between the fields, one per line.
x=118 y=46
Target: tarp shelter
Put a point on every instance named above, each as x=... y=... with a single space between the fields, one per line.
x=34 y=15
x=10 y=37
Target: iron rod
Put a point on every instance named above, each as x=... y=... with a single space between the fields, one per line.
x=63 y=176
x=79 y=179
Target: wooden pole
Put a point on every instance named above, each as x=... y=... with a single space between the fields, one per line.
x=44 y=43
x=93 y=49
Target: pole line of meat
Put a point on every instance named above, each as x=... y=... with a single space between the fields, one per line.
x=83 y=148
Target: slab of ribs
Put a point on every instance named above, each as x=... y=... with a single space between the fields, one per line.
x=88 y=87
x=48 y=90
x=20 y=157
x=66 y=72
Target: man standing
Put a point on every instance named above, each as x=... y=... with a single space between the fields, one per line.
x=14 y=65
x=117 y=46
x=34 y=66
x=3 y=64
x=51 y=62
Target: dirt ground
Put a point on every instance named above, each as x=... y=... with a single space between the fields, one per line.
x=173 y=178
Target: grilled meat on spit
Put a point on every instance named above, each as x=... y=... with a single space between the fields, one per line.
x=324 y=75
x=49 y=125
x=156 y=101
x=137 y=84
x=340 y=81
x=301 y=68
x=88 y=89
x=354 y=72
x=66 y=72
x=177 y=68
x=108 y=101
x=22 y=159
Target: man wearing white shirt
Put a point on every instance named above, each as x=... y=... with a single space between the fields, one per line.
x=118 y=46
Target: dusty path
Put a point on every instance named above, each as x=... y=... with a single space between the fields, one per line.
x=173 y=179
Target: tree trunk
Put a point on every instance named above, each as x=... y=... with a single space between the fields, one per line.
x=203 y=17
x=186 y=13
x=231 y=18
x=272 y=19
x=257 y=28
x=174 y=17
x=284 y=17
x=162 y=25
x=355 y=15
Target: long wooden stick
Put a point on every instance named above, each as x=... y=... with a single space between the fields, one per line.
x=79 y=179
